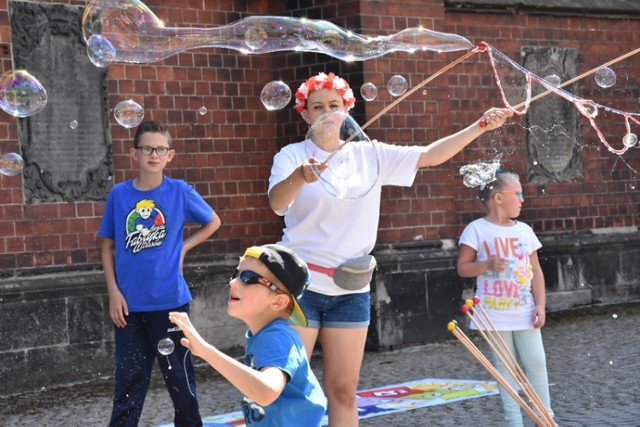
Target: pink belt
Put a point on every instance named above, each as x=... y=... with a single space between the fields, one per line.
x=320 y=269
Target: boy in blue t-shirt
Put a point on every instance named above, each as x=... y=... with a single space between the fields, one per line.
x=143 y=248
x=276 y=380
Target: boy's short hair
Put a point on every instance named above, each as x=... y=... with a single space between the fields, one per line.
x=289 y=269
x=150 y=126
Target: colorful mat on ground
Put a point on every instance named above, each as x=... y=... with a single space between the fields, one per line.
x=393 y=398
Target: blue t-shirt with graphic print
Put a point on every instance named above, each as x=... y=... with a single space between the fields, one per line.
x=302 y=402
x=148 y=230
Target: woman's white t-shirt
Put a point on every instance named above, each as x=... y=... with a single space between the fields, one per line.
x=325 y=230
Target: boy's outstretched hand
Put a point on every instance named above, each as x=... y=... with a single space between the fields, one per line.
x=192 y=339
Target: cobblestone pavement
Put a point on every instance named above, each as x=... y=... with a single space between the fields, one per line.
x=593 y=361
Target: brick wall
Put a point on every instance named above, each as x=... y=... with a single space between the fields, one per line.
x=226 y=153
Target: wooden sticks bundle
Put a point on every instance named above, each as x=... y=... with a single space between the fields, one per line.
x=489 y=332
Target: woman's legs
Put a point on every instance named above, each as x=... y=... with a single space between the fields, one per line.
x=342 y=350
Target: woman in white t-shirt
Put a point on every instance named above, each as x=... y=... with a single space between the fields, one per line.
x=326 y=231
x=501 y=253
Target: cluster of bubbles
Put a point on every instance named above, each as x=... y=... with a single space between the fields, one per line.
x=481 y=173
x=276 y=95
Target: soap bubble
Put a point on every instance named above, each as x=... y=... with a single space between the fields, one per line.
x=397 y=85
x=255 y=38
x=21 y=94
x=202 y=110
x=351 y=157
x=100 y=50
x=11 y=164
x=553 y=79
x=73 y=124
x=630 y=139
x=166 y=346
x=128 y=113
x=369 y=91
x=605 y=77
x=275 y=95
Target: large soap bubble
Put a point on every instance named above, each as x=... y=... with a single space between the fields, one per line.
x=397 y=85
x=100 y=50
x=369 y=91
x=166 y=346
x=128 y=113
x=138 y=35
x=275 y=95
x=605 y=77
x=337 y=140
x=11 y=164
x=21 y=94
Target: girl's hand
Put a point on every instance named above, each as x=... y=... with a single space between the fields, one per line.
x=497 y=264
x=539 y=317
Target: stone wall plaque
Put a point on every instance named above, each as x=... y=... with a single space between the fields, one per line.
x=553 y=149
x=66 y=147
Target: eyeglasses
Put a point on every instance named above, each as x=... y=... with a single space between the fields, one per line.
x=148 y=151
x=518 y=194
x=249 y=277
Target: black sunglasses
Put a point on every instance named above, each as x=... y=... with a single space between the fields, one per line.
x=249 y=277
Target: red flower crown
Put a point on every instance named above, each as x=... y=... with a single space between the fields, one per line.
x=328 y=81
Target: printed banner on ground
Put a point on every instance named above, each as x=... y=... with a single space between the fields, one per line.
x=392 y=398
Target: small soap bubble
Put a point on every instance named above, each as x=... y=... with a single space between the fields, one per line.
x=615 y=316
x=21 y=94
x=275 y=95
x=11 y=164
x=73 y=124
x=100 y=51
x=128 y=113
x=369 y=91
x=605 y=77
x=630 y=139
x=202 y=110
x=166 y=346
x=397 y=85
x=255 y=38
x=553 y=79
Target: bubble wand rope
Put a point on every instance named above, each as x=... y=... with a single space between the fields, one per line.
x=404 y=96
x=502 y=352
x=583 y=75
x=468 y=344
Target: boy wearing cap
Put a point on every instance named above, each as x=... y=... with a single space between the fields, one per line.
x=276 y=380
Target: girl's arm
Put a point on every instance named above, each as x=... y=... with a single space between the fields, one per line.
x=468 y=266
x=538 y=291
x=263 y=387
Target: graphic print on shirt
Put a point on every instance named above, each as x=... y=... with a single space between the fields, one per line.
x=146 y=226
x=511 y=289
x=252 y=412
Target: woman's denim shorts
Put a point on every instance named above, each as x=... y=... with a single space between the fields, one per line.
x=340 y=311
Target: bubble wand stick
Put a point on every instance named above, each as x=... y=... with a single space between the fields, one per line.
x=468 y=344
x=502 y=352
x=404 y=96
